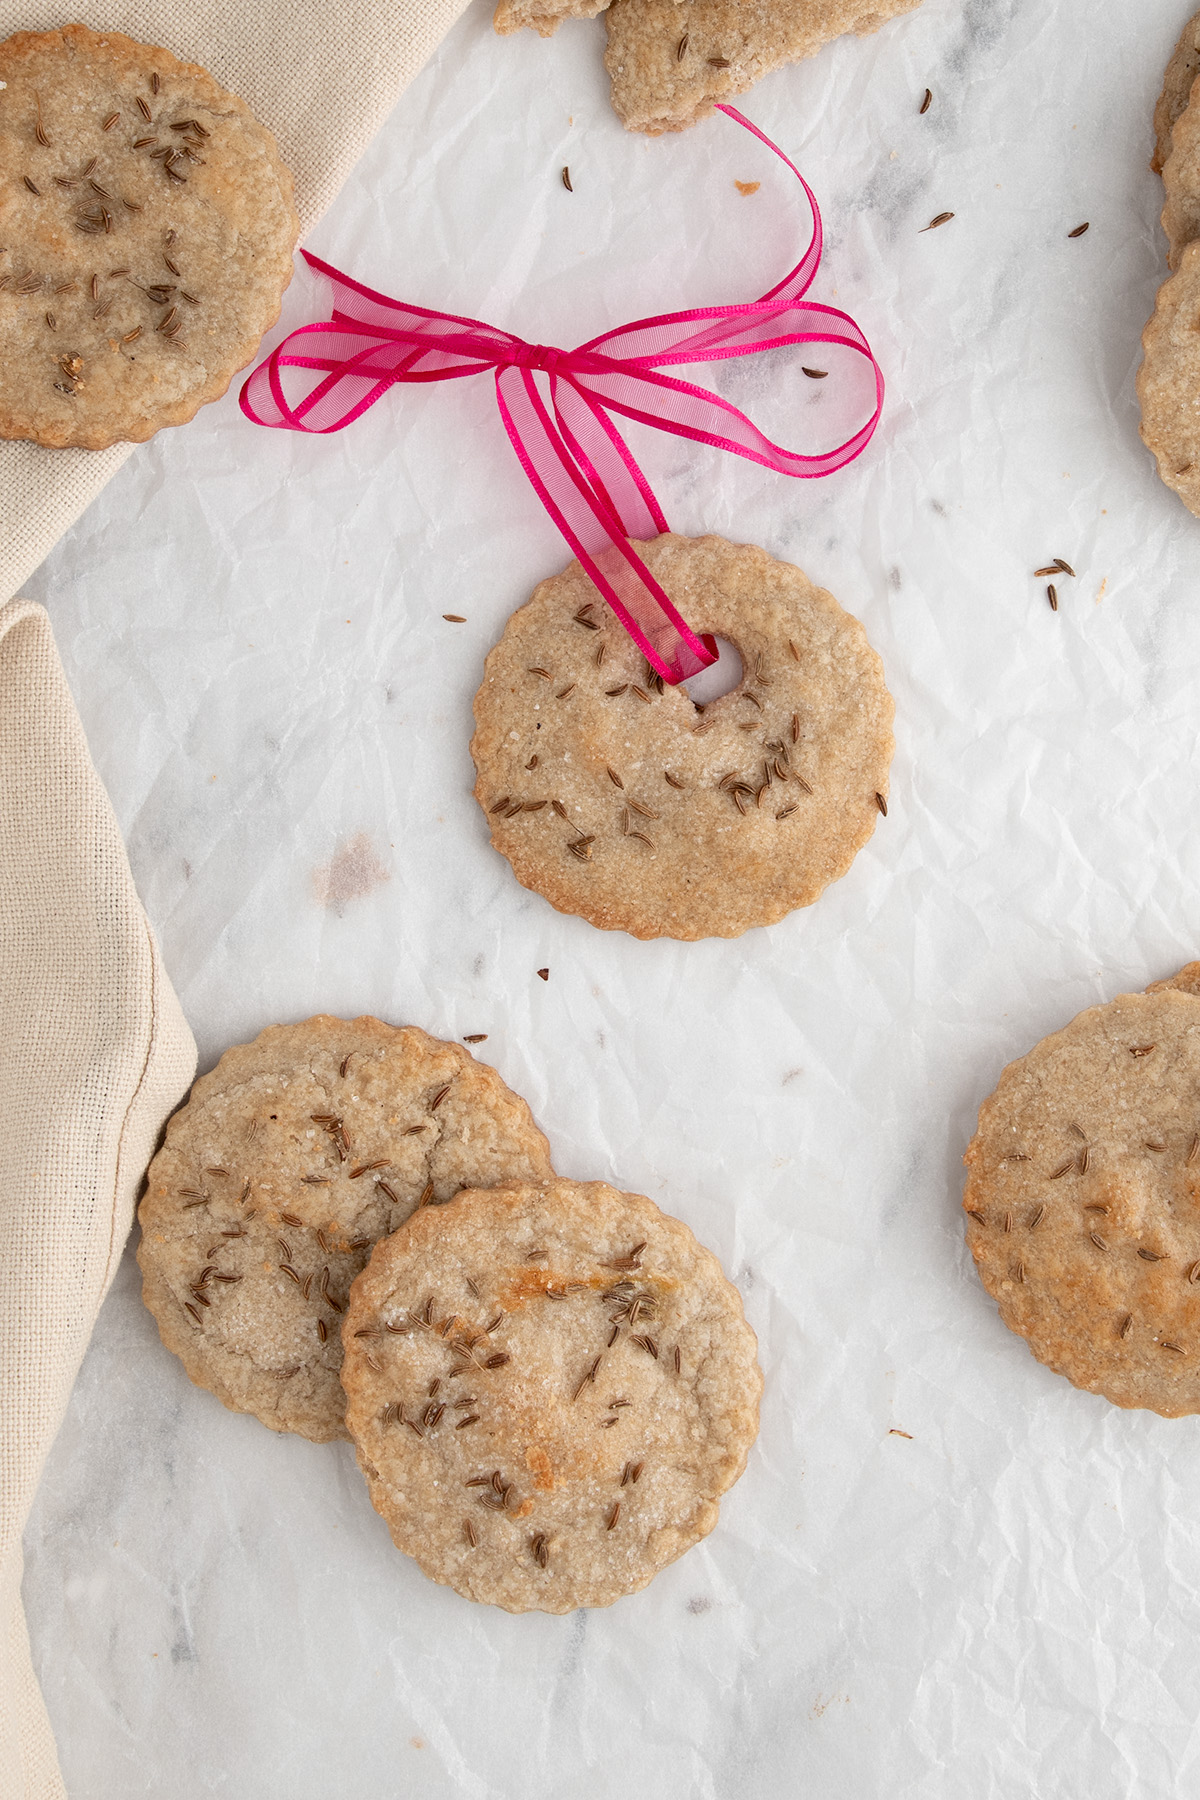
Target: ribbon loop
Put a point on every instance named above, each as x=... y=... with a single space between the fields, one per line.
x=575 y=458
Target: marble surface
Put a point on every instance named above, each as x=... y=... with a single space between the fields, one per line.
x=945 y=1571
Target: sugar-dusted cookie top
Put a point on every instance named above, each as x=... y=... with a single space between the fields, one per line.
x=147 y=230
x=549 y=1387
x=1168 y=382
x=1083 y=1200
x=288 y=1161
x=619 y=800
x=671 y=60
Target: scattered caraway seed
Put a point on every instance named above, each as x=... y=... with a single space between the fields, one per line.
x=681 y=48
x=941 y=219
x=1052 y=596
x=566 y=179
x=1079 y=229
x=880 y=802
x=1064 y=566
x=718 y=62
x=815 y=374
x=454 y=618
x=927 y=102
x=475 y=1037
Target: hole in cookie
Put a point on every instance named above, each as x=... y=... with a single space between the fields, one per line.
x=719 y=678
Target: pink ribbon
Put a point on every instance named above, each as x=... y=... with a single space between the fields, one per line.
x=579 y=465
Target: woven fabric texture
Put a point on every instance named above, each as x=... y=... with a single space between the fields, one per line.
x=94 y=1050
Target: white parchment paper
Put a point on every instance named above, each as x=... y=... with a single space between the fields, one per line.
x=945 y=1572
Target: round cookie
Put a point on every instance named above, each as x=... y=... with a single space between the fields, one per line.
x=620 y=800
x=147 y=228
x=285 y=1165
x=1168 y=382
x=549 y=1388
x=1180 y=73
x=1083 y=1200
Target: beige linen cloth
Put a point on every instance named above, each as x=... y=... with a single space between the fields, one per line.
x=94 y=1049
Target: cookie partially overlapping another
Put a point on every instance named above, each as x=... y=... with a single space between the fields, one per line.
x=347 y=1209
x=549 y=1388
x=291 y=1159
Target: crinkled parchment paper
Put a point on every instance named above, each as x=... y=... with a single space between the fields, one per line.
x=945 y=1571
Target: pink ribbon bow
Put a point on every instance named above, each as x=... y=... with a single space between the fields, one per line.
x=576 y=459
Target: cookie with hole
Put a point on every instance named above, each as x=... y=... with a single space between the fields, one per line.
x=620 y=800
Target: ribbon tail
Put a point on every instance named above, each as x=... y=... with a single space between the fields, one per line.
x=596 y=534
x=579 y=416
